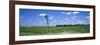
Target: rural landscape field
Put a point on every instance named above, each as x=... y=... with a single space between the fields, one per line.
x=52 y=22
x=54 y=30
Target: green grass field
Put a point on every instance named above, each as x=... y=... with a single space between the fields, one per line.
x=26 y=31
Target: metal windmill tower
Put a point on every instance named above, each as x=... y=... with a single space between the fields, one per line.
x=47 y=20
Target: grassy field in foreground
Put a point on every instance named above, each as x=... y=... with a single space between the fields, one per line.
x=25 y=31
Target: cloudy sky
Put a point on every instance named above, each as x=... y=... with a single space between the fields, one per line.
x=36 y=17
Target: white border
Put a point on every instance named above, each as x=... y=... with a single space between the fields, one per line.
x=20 y=38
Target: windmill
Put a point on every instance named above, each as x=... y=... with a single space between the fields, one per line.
x=47 y=20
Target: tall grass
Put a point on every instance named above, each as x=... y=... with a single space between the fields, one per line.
x=43 y=30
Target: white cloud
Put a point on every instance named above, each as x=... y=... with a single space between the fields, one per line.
x=55 y=20
x=51 y=17
x=66 y=18
x=74 y=17
x=80 y=21
x=75 y=12
x=66 y=13
x=88 y=17
x=42 y=14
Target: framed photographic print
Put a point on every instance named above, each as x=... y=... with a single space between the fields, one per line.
x=37 y=22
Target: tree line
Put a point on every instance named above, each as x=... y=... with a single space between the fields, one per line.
x=71 y=25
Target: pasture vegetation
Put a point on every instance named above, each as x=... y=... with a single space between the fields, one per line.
x=44 y=30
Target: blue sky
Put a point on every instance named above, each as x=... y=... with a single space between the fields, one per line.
x=36 y=17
